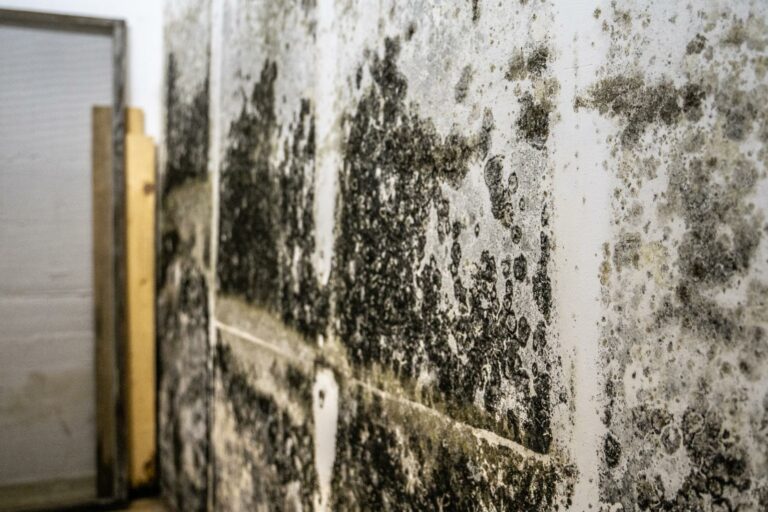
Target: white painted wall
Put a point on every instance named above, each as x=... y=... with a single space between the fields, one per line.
x=144 y=19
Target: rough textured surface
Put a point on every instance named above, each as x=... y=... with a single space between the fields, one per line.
x=423 y=461
x=684 y=340
x=263 y=439
x=265 y=235
x=183 y=268
x=442 y=251
x=389 y=227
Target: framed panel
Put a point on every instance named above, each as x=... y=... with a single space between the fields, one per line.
x=108 y=131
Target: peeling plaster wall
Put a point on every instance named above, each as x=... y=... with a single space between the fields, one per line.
x=464 y=255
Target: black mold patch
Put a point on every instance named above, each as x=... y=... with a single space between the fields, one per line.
x=685 y=358
x=394 y=312
x=502 y=197
x=532 y=65
x=186 y=132
x=249 y=200
x=537 y=60
x=533 y=122
x=184 y=390
x=475 y=10
x=281 y=453
x=611 y=451
x=462 y=86
x=542 y=285
x=638 y=105
x=389 y=456
x=696 y=45
x=266 y=215
x=182 y=310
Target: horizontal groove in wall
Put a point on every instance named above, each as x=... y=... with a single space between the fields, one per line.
x=483 y=434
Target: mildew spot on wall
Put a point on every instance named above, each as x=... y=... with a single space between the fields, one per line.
x=684 y=344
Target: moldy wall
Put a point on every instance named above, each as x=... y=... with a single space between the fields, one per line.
x=472 y=255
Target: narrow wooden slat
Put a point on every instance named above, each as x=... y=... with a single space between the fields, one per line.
x=140 y=287
x=104 y=296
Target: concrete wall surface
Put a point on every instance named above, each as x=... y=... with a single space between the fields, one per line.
x=464 y=255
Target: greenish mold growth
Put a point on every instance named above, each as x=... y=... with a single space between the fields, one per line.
x=527 y=64
x=637 y=105
x=684 y=345
x=392 y=455
x=531 y=64
x=264 y=451
x=266 y=227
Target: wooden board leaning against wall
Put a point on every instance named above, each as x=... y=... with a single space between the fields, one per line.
x=140 y=365
x=140 y=303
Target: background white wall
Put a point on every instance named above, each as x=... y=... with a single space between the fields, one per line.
x=144 y=19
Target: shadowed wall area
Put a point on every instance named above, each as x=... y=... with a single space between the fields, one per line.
x=464 y=255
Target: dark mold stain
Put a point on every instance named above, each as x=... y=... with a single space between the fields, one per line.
x=718 y=245
x=376 y=441
x=266 y=212
x=639 y=105
x=182 y=308
x=740 y=112
x=462 y=86
x=542 y=286
x=184 y=384
x=186 y=132
x=533 y=122
x=283 y=452
x=688 y=442
x=501 y=195
x=627 y=251
x=475 y=10
x=409 y=32
x=520 y=268
x=393 y=310
x=533 y=65
x=696 y=45
x=249 y=200
x=537 y=61
x=611 y=451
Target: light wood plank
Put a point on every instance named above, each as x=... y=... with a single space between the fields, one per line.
x=140 y=252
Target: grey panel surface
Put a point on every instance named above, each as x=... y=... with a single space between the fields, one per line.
x=49 y=82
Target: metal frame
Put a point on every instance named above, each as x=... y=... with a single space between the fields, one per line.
x=111 y=442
